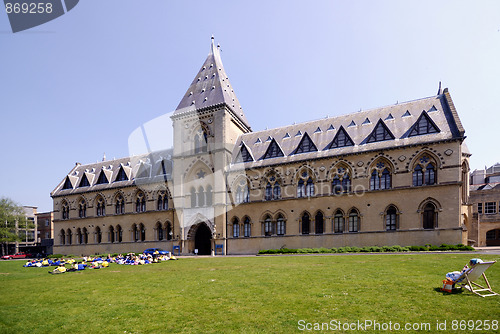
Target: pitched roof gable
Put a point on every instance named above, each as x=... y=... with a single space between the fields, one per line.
x=211 y=87
x=341 y=139
x=273 y=151
x=424 y=125
x=380 y=133
x=306 y=145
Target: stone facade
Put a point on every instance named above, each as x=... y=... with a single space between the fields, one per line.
x=485 y=199
x=392 y=175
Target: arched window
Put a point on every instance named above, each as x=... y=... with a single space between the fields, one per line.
x=319 y=223
x=160 y=234
x=430 y=174
x=85 y=236
x=310 y=187
x=268 y=226
x=353 y=221
x=209 y=195
x=201 y=197
x=100 y=207
x=247 y=227
x=62 y=237
x=341 y=182
x=140 y=203
x=424 y=172
x=135 y=233
x=276 y=191
x=305 y=223
x=301 y=190
x=346 y=183
x=242 y=194
x=418 y=176
x=119 y=233
x=200 y=141
x=338 y=222
x=79 y=236
x=82 y=209
x=98 y=235
x=391 y=218
x=119 y=205
x=168 y=230
x=281 y=225
x=65 y=210
x=69 y=237
x=236 y=228
x=162 y=203
x=193 y=198
x=380 y=179
x=111 y=232
x=429 y=216
x=269 y=192
x=143 y=232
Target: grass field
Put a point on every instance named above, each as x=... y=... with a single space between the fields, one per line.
x=242 y=295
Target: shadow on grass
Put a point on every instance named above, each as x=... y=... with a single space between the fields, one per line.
x=453 y=292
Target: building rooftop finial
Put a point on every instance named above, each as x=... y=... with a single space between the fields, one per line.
x=212 y=46
x=439 y=89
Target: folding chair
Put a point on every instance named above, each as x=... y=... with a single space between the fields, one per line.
x=466 y=280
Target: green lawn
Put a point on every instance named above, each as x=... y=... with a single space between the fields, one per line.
x=241 y=294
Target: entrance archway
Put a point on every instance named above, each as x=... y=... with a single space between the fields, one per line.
x=203 y=240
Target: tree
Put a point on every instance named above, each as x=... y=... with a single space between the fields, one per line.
x=10 y=214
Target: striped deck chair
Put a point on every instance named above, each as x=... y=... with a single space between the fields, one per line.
x=468 y=279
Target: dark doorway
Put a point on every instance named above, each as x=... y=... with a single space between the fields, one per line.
x=203 y=240
x=493 y=237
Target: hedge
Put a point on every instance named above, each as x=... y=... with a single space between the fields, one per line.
x=371 y=249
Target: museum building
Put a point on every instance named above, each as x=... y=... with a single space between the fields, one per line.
x=395 y=175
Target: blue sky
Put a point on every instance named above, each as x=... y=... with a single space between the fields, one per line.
x=78 y=86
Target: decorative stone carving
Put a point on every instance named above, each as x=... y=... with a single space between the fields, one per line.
x=448 y=152
x=402 y=158
x=360 y=163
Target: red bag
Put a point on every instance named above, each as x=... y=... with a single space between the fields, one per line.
x=447 y=285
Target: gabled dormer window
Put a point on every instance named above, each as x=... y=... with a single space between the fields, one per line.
x=102 y=178
x=341 y=139
x=306 y=145
x=244 y=154
x=273 y=151
x=380 y=133
x=424 y=125
x=67 y=184
x=122 y=176
x=84 y=182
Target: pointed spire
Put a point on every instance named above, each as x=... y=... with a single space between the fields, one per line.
x=104 y=157
x=439 y=89
x=211 y=87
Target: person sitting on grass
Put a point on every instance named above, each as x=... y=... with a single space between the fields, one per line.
x=61 y=269
x=105 y=264
x=45 y=263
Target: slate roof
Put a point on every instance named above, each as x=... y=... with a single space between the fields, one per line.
x=132 y=166
x=398 y=119
x=211 y=87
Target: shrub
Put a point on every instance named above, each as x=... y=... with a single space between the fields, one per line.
x=366 y=249
x=55 y=256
